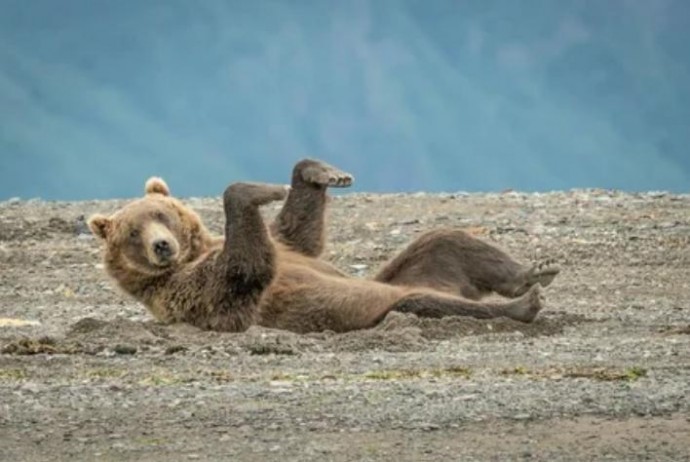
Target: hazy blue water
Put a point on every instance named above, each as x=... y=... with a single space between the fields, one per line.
x=95 y=95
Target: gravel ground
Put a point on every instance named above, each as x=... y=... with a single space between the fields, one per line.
x=604 y=373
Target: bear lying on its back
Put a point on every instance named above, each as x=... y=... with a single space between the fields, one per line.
x=159 y=251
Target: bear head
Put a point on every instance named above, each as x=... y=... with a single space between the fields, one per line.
x=150 y=236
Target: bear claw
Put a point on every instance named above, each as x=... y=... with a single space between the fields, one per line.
x=325 y=175
x=543 y=273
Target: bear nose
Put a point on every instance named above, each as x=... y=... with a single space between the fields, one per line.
x=162 y=248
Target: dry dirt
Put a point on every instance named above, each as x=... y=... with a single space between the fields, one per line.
x=604 y=373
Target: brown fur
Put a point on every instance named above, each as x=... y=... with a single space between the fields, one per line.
x=159 y=251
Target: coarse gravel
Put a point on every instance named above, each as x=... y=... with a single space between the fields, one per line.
x=602 y=374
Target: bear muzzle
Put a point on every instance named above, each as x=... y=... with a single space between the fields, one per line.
x=163 y=248
x=164 y=252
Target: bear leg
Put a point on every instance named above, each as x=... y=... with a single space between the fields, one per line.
x=430 y=305
x=542 y=273
x=301 y=222
x=453 y=261
x=245 y=266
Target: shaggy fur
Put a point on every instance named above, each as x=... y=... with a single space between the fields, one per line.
x=159 y=251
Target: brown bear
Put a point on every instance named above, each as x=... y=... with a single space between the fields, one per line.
x=159 y=251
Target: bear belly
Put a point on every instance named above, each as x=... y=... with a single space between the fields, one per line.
x=302 y=299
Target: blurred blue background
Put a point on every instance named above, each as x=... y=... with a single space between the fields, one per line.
x=435 y=95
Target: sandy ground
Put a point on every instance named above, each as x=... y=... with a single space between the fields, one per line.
x=604 y=373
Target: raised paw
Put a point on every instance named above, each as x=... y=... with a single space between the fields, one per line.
x=527 y=307
x=542 y=273
x=322 y=174
x=254 y=193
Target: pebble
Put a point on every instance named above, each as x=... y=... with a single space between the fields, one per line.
x=125 y=349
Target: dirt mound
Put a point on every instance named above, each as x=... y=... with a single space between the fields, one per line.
x=90 y=330
x=40 y=345
x=551 y=324
x=263 y=341
x=398 y=332
x=123 y=335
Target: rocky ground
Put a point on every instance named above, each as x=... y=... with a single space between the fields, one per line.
x=604 y=373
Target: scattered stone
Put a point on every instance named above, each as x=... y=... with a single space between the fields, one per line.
x=171 y=350
x=611 y=344
x=125 y=349
x=359 y=267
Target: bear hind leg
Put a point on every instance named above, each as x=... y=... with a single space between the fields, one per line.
x=542 y=273
x=434 y=305
x=455 y=262
x=301 y=222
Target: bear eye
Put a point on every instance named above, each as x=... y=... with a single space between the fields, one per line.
x=162 y=218
x=134 y=233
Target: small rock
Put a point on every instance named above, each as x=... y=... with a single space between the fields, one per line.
x=171 y=350
x=125 y=349
x=657 y=194
x=414 y=221
x=430 y=427
x=81 y=228
x=30 y=387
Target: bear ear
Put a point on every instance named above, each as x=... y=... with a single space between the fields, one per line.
x=155 y=185
x=100 y=225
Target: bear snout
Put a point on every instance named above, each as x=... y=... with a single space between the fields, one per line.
x=161 y=246
x=162 y=249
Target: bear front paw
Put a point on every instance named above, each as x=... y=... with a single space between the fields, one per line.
x=254 y=194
